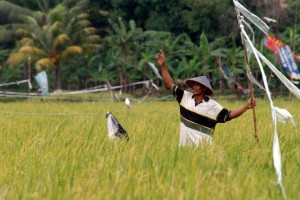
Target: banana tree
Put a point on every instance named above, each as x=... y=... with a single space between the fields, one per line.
x=124 y=45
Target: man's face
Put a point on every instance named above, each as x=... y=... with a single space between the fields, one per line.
x=197 y=88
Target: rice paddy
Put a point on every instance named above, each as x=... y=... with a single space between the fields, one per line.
x=61 y=150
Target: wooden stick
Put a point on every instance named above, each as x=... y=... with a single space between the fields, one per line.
x=251 y=94
x=250 y=83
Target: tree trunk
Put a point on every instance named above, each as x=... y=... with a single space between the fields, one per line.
x=123 y=80
x=57 y=77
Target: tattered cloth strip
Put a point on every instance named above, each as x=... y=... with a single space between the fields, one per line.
x=277 y=113
x=283 y=115
x=115 y=130
x=251 y=17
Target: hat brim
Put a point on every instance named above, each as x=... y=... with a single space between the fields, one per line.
x=208 y=91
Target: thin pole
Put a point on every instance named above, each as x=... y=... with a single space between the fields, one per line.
x=251 y=93
x=249 y=81
x=29 y=66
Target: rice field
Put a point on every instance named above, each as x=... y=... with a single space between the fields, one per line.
x=61 y=150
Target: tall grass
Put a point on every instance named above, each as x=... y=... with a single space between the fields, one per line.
x=60 y=150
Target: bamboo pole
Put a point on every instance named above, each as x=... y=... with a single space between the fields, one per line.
x=249 y=81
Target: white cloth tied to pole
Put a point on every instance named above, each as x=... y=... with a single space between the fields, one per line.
x=253 y=80
x=276 y=146
x=277 y=113
x=284 y=116
x=251 y=17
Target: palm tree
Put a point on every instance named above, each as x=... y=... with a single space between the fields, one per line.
x=10 y=19
x=65 y=32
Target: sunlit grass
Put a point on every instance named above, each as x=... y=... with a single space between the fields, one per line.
x=60 y=150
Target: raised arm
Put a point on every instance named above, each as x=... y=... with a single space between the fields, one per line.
x=249 y=105
x=168 y=81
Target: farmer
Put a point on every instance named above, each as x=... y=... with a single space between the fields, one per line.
x=199 y=114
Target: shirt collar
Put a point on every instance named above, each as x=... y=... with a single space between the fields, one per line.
x=206 y=99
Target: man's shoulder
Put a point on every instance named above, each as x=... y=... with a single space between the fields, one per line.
x=213 y=102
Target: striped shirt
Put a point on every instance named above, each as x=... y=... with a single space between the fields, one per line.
x=198 y=121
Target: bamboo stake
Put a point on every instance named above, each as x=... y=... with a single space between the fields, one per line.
x=251 y=93
x=249 y=83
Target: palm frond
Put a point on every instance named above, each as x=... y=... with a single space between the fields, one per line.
x=90 y=30
x=28 y=20
x=84 y=23
x=57 y=14
x=104 y=13
x=61 y=40
x=55 y=27
x=25 y=41
x=15 y=59
x=95 y=46
x=122 y=25
x=79 y=6
x=83 y=16
x=23 y=32
x=10 y=12
x=5 y=35
x=32 y=51
x=93 y=39
x=39 y=16
x=76 y=9
x=44 y=63
x=72 y=51
x=82 y=3
x=91 y=48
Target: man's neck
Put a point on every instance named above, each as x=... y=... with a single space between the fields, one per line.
x=199 y=98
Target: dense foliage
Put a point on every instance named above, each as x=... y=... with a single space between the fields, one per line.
x=197 y=36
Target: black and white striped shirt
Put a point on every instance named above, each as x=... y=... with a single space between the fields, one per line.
x=201 y=117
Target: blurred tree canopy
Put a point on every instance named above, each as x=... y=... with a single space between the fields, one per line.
x=194 y=34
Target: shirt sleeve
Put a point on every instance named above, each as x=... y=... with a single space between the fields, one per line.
x=223 y=116
x=178 y=93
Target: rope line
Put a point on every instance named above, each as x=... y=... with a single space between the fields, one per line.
x=46 y=114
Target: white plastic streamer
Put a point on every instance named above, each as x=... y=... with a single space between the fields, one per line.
x=283 y=115
x=276 y=146
x=251 y=17
x=253 y=80
x=277 y=162
x=277 y=113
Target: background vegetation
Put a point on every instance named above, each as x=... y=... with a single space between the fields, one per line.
x=84 y=43
x=60 y=150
